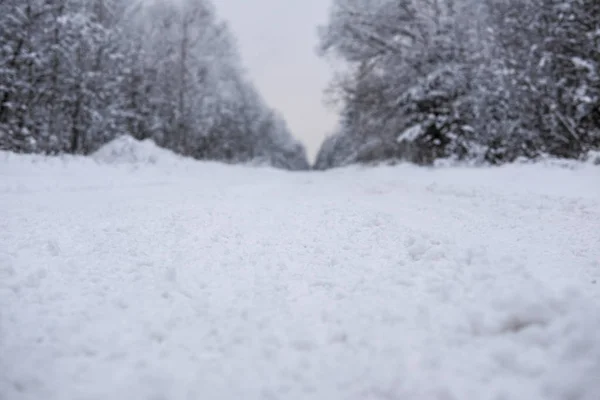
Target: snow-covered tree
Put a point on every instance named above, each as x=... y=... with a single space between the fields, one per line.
x=492 y=79
x=74 y=74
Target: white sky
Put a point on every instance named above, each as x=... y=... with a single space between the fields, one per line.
x=277 y=39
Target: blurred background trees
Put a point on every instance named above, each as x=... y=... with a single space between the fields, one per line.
x=483 y=80
x=75 y=74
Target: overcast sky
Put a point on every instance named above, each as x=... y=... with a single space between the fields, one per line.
x=277 y=39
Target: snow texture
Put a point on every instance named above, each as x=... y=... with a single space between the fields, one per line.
x=411 y=134
x=128 y=150
x=187 y=280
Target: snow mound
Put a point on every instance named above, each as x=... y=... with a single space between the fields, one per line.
x=127 y=150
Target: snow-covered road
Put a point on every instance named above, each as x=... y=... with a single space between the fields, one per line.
x=183 y=280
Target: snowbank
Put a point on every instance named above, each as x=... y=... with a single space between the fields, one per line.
x=127 y=150
x=205 y=281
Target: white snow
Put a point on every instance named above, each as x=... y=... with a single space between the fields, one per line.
x=127 y=150
x=183 y=280
x=585 y=64
x=411 y=134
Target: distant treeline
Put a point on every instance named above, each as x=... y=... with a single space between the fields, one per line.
x=75 y=74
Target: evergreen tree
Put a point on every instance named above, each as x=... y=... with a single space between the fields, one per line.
x=487 y=80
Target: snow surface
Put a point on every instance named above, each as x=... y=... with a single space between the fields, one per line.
x=179 y=280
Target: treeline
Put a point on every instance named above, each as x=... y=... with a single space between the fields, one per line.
x=482 y=80
x=75 y=74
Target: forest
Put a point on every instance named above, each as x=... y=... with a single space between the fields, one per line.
x=478 y=81
x=75 y=74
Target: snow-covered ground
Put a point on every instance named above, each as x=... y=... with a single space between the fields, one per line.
x=158 y=278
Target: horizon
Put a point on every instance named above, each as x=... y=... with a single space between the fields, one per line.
x=282 y=62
